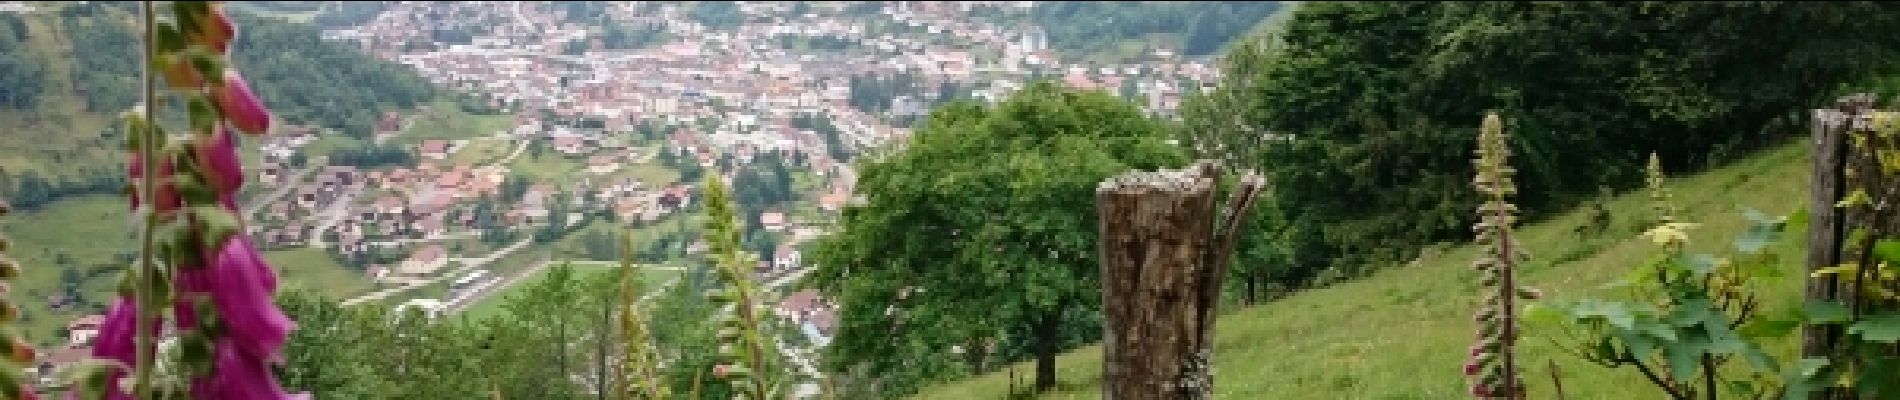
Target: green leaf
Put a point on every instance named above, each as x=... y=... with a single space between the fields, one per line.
x=1616 y=313
x=1739 y=386
x=1887 y=251
x=1699 y=264
x=1542 y=313
x=1639 y=344
x=1695 y=311
x=1682 y=357
x=1883 y=328
x=1768 y=327
x=1879 y=378
x=1826 y=312
x=1758 y=358
x=1799 y=219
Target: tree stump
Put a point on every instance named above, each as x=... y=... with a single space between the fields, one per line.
x=1165 y=246
x=1827 y=225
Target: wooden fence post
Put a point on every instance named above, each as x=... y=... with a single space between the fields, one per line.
x=1827 y=224
x=1165 y=247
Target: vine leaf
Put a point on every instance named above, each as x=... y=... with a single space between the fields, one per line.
x=1884 y=328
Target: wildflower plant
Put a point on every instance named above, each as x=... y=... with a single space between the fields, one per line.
x=743 y=352
x=198 y=282
x=1683 y=315
x=637 y=369
x=19 y=354
x=1493 y=365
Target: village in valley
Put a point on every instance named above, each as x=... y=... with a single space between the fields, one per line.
x=603 y=124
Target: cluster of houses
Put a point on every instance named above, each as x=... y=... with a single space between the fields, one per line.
x=814 y=315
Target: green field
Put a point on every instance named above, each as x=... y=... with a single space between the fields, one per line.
x=443 y=120
x=1402 y=333
x=314 y=271
x=43 y=237
x=89 y=233
x=650 y=279
x=480 y=152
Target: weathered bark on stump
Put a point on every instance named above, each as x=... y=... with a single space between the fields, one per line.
x=1164 y=255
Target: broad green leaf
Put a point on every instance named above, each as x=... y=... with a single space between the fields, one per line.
x=1826 y=312
x=1879 y=378
x=1700 y=264
x=1640 y=345
x=1682 y=357
x=1767 y=327
x=1542 y=313
x=1758 y=358
x=1695 y=311
x=1884 y=328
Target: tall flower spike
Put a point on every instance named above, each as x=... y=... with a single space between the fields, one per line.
x=1492 y=364
x=637 y=368
x=742 y=351
x=216 y=284
x=1659 y=195
x=19 y=353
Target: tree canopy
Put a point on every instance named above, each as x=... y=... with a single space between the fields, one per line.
x=984 y=223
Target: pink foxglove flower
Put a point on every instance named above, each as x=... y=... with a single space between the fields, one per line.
x=240 y=285
x=240 y=107
x=215 y=30
x=219 y=160
x=166 y=193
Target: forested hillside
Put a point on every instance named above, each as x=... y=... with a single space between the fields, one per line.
x=66 y=71
x=1092 y=27
x=1377 y=102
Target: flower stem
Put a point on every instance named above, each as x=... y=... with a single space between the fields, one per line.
x=141 y=386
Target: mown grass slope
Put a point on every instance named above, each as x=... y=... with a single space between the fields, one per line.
x=1402 y=333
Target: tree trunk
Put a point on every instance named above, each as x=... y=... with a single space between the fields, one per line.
x=1048 y=333
x=1165 y=249
x=1253 y=289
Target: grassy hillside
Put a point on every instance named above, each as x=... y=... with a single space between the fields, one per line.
x=1402 y=333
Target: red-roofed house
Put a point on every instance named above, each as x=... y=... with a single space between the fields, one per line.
x=772 y=221
x=435 y=149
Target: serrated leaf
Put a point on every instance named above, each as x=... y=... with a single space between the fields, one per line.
x=1826 y=312
x=1883 y=328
